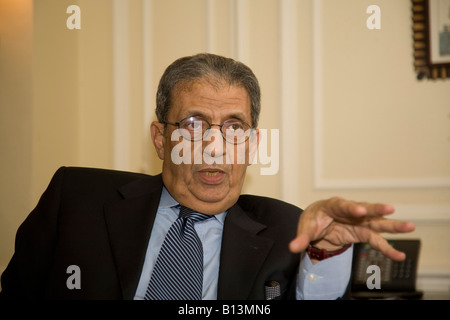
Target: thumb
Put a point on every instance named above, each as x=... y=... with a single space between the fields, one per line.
x=306 y=229
x=299 y=243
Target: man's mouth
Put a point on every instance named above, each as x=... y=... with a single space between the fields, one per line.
x=211 y=175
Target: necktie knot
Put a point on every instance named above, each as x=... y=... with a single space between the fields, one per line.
x=192 y=215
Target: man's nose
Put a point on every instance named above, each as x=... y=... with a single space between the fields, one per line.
x=213 y=143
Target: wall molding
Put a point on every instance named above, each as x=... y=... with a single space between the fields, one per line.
x=121 y=86
x=435 y=213
x=147 y=81
x=317 y=92
x=238 y=30
x=433 y=280
x=423 y=213
x=290 y=150
x=320 y=182
x=210 y=26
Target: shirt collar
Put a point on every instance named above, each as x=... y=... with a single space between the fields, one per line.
x=167 y=201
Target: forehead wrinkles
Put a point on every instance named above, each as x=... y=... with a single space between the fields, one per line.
x=217 y=85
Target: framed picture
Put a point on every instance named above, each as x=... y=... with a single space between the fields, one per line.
x=431 y=33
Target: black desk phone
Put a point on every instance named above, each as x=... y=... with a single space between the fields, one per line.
x=375 y=276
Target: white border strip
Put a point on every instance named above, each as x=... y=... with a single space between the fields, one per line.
x=433 y=280
x=317 y=92
x=241 y=31
x=147 y=81
x=319 y=181
x=209 y=26
x=422 y=213
x=121 y=83
x=147 y=63
x=238 y=30
x=232 y=24
x=290 y=149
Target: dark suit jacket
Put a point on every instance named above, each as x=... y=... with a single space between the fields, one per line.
x=101 y=221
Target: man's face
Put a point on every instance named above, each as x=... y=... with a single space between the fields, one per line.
x=207 y=188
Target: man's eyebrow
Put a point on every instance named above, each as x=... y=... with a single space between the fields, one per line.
x=195 y=113
x=237 y=116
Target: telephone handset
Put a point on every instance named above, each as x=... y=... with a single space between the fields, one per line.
x=376 y=276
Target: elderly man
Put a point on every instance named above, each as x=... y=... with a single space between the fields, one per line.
x=188 y=233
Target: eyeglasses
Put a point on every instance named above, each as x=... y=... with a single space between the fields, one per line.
x=233 y=131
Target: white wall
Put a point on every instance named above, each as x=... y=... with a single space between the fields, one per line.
x=15 y=120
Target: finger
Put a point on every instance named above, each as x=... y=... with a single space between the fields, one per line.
x=300 y=243
x=306 y=230
x=390 y=226
x=338 y=206
x=377 y=209
x=379 y=243
x=343 y=208
x=370 y=209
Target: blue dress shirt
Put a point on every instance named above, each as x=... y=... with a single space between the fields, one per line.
x=327 y=279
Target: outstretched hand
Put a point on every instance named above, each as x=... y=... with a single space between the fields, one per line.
x=331 y=224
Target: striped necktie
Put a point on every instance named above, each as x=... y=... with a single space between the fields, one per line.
x=178 y=271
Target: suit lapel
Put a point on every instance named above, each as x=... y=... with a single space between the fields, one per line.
x=129 y=222
x=243 y=253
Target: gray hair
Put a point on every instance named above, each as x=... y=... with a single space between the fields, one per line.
x=213 y=68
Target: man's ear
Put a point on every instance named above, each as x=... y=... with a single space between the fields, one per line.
x=158 y=137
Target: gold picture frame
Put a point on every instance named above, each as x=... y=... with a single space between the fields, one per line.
x=431 y=35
